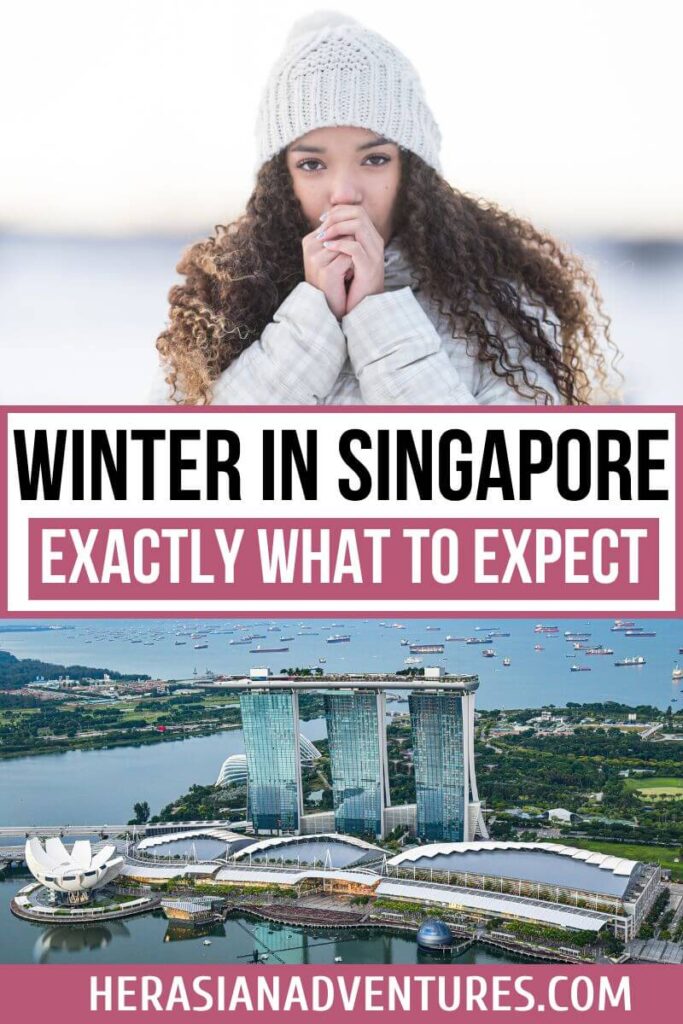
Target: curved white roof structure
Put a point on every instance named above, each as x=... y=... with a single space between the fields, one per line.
x=618 y=865
x=270 y=844
x=543 y=863
x=222 y=834
x=74 y=871
x=234 y=769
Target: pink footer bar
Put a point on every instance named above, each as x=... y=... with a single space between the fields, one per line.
x=74 y=994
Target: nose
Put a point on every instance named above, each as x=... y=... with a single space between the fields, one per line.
x=345 y=190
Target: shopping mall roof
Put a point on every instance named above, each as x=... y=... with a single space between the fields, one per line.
x=223 y=834
x=319 y=837
x=538 y=863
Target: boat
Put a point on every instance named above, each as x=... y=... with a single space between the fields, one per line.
x=455 y=638
x=488 y=653
x=579 y=668
x=267 y=650
x=200 y=647
x=621 y=624
x=426 y=648
x=628 y=662
x=571 y=637
x=180 y=643
x=338 y=638
x=638 y=633
x=476 y=640
x=412 y=660
x=539 y=647
x=506 y=662
x=322 y=661
x=599 y=650
x=285 y=639
x=677 y=672
x=206 y=942
x=338 y=960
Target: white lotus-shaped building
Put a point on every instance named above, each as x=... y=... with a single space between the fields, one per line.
x=73 y=872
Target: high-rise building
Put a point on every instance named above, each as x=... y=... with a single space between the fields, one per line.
x=270 y=720
x=356 y=733
x=447 y=807
x=447 y=804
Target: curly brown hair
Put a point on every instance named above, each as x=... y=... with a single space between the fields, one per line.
x=510 y=290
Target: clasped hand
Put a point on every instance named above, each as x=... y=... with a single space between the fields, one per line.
x=344 y=258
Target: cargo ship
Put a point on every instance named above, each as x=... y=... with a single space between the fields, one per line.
x=599 y=650
x=267 y=650
x=628 y=662
x=580 y=668
x=426 y=648
x=339 y=638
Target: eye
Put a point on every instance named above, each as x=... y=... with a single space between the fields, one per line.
x=310 y=165
x=377 y=160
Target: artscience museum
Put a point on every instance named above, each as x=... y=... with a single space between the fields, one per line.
x=73 y=874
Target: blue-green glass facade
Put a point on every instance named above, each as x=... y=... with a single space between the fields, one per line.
x=270 y=721
x=439 y=762
x=356 y=737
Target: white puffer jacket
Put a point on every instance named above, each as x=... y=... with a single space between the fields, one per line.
x=392 y=349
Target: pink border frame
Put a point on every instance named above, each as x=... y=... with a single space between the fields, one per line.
x=318 y=410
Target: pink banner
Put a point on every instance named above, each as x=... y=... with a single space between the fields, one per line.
x=284 y=559
x=75 y=994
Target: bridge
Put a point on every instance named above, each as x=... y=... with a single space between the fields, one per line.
x=13 y=856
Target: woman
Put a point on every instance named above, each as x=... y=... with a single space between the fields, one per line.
x=357 y=275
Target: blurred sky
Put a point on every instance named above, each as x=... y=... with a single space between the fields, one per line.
x=137 y=117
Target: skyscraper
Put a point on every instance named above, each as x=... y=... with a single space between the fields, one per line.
x=447 y=804
x=270 y=720
x=356 y=733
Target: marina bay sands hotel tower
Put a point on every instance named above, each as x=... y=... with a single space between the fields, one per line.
x=442 y=723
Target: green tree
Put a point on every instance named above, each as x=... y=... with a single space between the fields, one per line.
x=142 y=812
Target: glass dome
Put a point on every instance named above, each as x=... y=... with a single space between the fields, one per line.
x=434 y=935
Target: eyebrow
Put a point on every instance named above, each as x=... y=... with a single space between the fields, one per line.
x=320 y=149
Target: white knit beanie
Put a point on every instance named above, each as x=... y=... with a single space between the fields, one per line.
x=334 y=71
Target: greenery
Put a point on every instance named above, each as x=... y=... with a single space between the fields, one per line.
x=205 y=803
x=16 y=672
x=141 y=812
x=656 y=787
x=545 y=935
x=636 y=851
x=30 y=725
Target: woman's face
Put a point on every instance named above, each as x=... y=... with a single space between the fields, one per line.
x=338 y=166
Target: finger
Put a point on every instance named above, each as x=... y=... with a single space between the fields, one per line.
x=342 y=227
x=344 y=211
x=349 y=246
x=339 y=268
x=321 y=258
